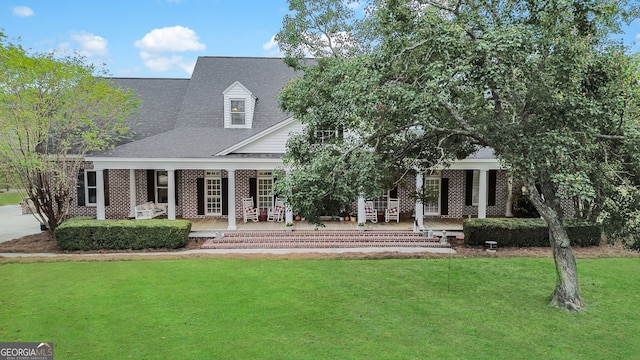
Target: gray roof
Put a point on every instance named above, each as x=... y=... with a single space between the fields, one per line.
x=183 y=118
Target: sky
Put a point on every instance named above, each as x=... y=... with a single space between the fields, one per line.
x=157 y=38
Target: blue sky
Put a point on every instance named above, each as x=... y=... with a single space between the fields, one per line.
x=156 y=38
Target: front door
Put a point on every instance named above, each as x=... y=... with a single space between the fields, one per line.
x=432 y=190
x=213 y=193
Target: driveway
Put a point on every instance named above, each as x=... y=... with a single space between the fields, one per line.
x=14 y=225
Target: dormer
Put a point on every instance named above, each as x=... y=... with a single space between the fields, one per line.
x=239 y=104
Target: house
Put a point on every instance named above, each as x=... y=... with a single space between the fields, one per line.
x=201 y=145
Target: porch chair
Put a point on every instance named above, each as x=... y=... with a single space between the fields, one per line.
x=277 y=212
x=392 y=211
x=249 y=212
x=370 y=212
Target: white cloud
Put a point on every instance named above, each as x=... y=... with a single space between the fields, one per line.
x=160 y=63
x=170 y=39
x=158 y=48
x=22 y=11
x=272 y=48
x=90 y=45
x=270 y=44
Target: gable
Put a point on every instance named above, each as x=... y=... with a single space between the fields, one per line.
x=270 y=142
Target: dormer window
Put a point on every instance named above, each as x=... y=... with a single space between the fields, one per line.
x=239 y=104
x=237 y=112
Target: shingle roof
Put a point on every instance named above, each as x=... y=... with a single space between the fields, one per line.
x=183 y=118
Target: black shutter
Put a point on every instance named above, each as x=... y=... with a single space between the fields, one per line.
x=275 y=195
x=151 y=196
x=105 y=176
x=177 y=182
x=491 y=196
x=225 y=196
x=468 y=194
x=200 y=184
x=80 y=188
x=253 y=190
x=444 y=197
x=393 y=193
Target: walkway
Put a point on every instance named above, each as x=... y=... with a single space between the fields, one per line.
x=14 y=225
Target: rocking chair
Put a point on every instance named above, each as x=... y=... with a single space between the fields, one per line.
x=277 y=212
x=370 y=212
x=392 y=211
x=249 y=212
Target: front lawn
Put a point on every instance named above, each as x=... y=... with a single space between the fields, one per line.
x=484 y=308
x=11 y=197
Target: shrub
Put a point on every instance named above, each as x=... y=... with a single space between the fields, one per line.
x=527 y=232
x=91 y=234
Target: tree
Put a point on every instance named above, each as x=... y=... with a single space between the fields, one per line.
x=540 y=82
x=53 y=111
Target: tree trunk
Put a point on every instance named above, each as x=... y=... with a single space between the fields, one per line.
x=567 y=292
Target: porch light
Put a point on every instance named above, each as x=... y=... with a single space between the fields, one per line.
x=524 y=190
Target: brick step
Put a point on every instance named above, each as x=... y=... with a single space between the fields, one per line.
x=318 y=239
x=323 y=233
x=215 y=244
x=321 y=239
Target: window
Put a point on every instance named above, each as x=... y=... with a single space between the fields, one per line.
x=91 y=189
x=432 y=192
x=265 y=190
x=213 y=193
x=473 y=187
x=476 y=187
x=162 y=187
x=237 y=112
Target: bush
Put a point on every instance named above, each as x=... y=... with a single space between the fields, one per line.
x=527 y=232
x=91 y=234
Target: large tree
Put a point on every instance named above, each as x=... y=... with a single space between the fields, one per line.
x=53 y=111
x=540 y=82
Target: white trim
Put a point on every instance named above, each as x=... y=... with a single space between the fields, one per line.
x=238 y=83
x=257 y=136
x=101 y=163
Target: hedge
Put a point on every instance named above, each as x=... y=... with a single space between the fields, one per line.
x=91 y=234
x=527 y=232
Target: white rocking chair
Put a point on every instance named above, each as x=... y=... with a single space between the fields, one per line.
x=249 y=212
x=392 y=211
x=370 y=212
x=277 y=212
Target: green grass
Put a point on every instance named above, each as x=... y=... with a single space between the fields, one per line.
x=320 y=309
x=11 y=197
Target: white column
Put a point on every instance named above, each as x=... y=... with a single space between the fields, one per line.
x=100 y=212
x=231 y=198
x=419 y=220
x=171 y=194
x=362 y=217
x=288 y=215
x=508 y=211
x=132 y=193
x=482 y=194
